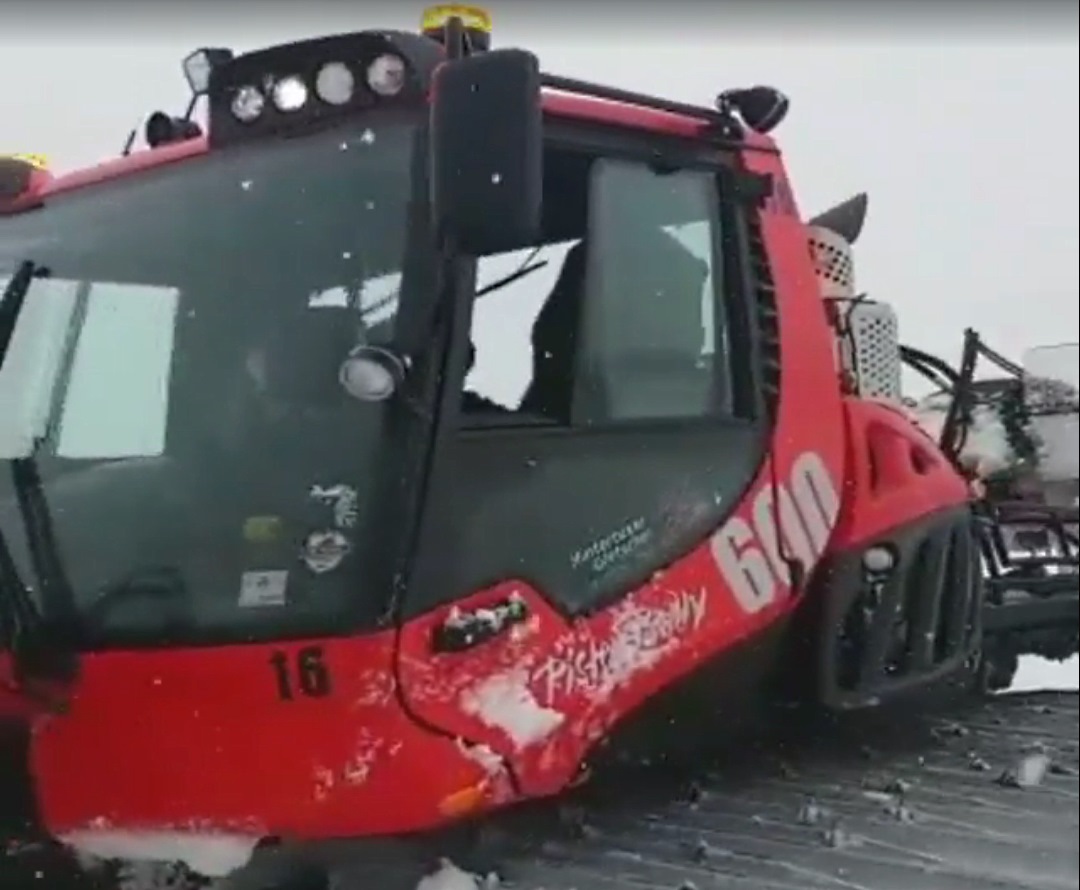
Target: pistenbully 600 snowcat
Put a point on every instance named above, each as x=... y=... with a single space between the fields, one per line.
x=274 y=575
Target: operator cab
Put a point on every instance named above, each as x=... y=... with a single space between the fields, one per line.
x=330 y=346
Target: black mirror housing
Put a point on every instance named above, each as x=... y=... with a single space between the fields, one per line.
x=487 y=151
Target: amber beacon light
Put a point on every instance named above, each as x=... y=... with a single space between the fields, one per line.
x=475 y=20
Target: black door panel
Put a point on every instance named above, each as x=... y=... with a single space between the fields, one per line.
x=583 y=517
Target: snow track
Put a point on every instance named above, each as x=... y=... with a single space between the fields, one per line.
x=986 y=799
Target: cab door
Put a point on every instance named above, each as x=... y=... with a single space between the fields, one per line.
x=14 y=704
x=611 y=421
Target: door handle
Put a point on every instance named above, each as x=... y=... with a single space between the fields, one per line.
x=467 y=629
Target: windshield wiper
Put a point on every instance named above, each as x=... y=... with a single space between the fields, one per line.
x=22 y=625
x=525 y=269
x=20 y=612
x=11 y=303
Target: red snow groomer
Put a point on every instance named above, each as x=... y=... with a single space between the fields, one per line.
x=422 y=426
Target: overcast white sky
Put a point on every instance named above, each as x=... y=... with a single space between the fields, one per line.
x=961 y=124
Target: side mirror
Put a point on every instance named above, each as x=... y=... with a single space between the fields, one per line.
x=487 y=151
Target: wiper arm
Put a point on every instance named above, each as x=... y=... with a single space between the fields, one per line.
x=21 y=622
x=11 y=303
x=20 y=613
x=56 y=593
x=526 y=268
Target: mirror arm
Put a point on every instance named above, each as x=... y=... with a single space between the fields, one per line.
x=456 y=39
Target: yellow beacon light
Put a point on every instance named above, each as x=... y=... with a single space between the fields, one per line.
x=476 y=19
x=38 y=162
x=18 y=173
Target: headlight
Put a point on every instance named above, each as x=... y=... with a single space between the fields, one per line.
x=386 y=75
x=879 y=560
x=290 y=94
x=248 y=104
x=371 y=373
x=334 y=83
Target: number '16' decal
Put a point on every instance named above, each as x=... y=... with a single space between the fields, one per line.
x=750 y=554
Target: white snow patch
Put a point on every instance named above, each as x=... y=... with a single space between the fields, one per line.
x=211 y=855
x=1037 y=674
x=1031 y=770
x=505 y=702
x=449 y=877
x=483 y=756
x=987 y=444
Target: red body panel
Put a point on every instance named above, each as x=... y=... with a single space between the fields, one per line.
x=198 y=740
x=895 y=472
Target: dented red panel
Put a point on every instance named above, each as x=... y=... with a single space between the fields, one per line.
x=543 y=695
x=203 y=740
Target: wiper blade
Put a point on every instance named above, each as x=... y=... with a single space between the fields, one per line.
x=526 y=268
x=19 y=613
x=11 y=303
x=56 y=594
x=22 y=626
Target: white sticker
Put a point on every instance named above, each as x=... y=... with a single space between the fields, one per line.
x=342 y=498
x=324 y=551
x=261 y=589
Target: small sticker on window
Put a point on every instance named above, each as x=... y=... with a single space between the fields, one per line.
x=263 y=529
x=262 y=589
x=324 y=551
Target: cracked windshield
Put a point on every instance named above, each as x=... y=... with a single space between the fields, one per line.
x=174 y=381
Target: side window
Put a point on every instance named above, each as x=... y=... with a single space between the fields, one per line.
x=514 y=287
x=650 y=328
x=615 y=316
x=91 y=362
x=592 y=350
x=35 y=355
x=117 y=394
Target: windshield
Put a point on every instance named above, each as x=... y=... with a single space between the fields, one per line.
x=176 y=379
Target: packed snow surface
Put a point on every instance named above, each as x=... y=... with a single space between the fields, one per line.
x=1036 y=674
x=449 y=877
x=212 y=855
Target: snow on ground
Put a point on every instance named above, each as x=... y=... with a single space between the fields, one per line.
x=987 y=445
x=1038 y=675
x=213 y=855
x=450 y=877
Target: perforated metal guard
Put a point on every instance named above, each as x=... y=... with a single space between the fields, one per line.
x=870 y=347
x=868 y=344
x=833 y=263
